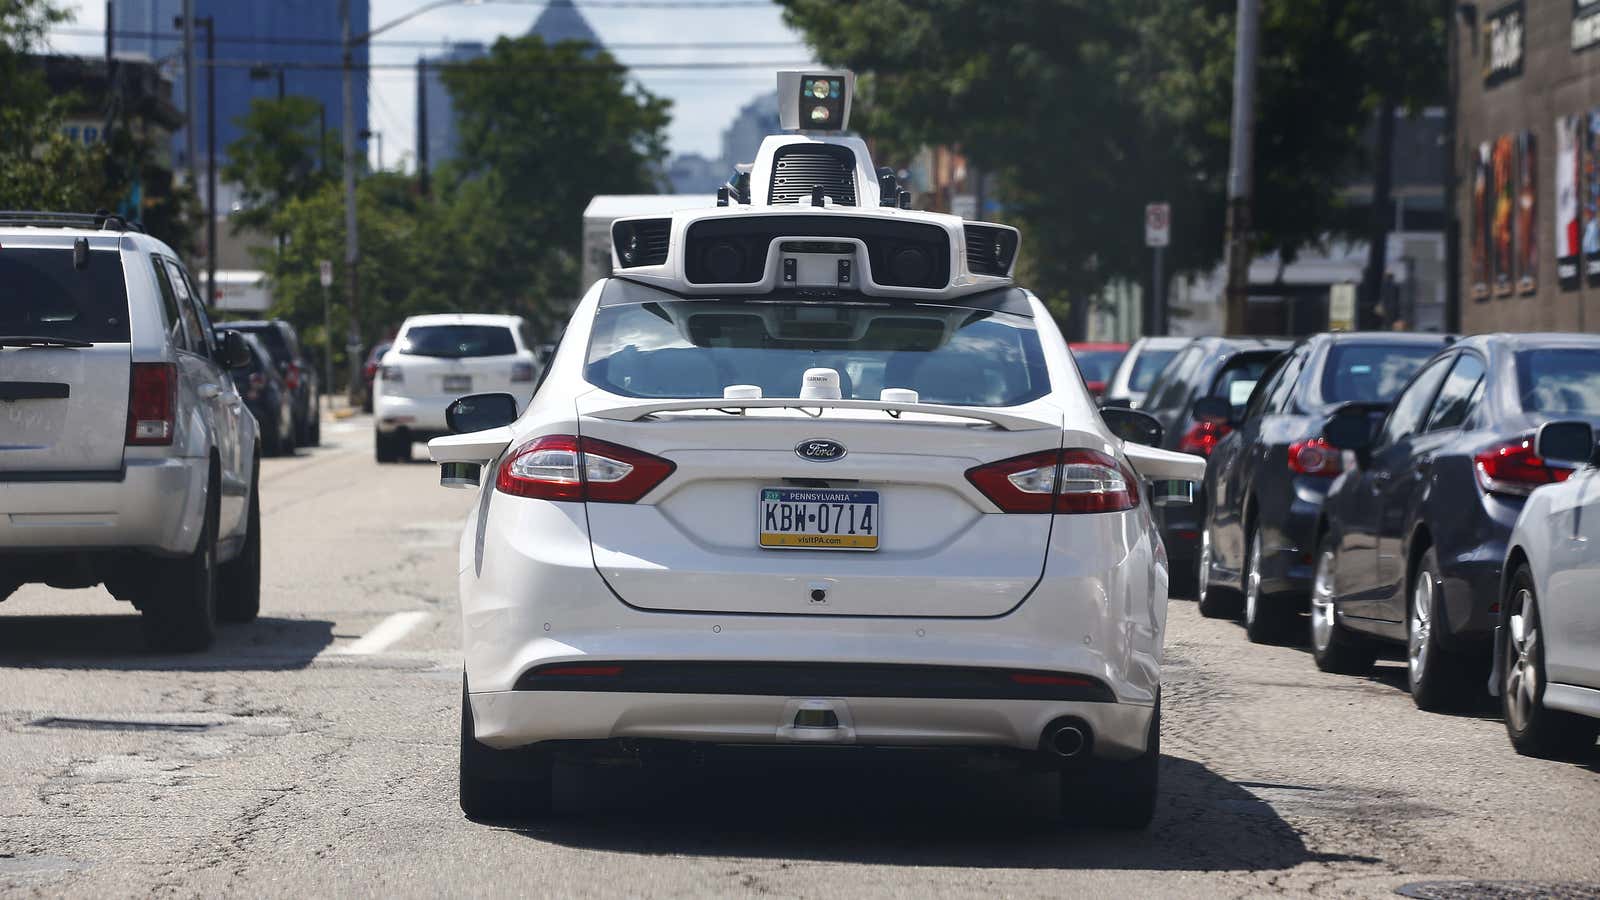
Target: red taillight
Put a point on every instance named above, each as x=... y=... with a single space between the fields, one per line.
x=1062 y=481
x=1204 y=437
x=152 y=397
x=369 y=371
x=521 y=372
x=583 y=671
x=1043 y=678
x=564 y=467
x=291 y=377
x=1315 y=457
x=1513 y=468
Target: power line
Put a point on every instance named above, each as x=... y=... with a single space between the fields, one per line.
x=493 y=67
x=271 y=40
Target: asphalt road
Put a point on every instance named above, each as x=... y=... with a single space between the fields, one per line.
x=313 y=754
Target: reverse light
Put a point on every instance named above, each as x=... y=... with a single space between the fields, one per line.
x=565 y=467
x=152 y=400
x=1315 y=457
x=1513 y=468
x=1061 y=481
x=1203 y=438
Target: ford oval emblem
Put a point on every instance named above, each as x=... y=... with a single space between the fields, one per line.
x=819 y=450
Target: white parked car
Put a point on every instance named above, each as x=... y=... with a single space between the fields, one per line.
x=127 y=456
x=1547 y=647
x=1139 y=368
x=436 y=359
x=811 y=474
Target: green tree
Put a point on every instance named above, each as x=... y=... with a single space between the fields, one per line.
x=40 y=168
x=277 y=157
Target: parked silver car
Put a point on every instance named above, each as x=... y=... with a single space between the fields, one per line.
x=127 y=457
x=1547 y=647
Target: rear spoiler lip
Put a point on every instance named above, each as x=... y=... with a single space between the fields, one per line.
x=633 y=412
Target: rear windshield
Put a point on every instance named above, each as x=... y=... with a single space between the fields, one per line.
x=1097 y=365
x=1146 y=366
x=457 y=341
x=43 y=295
x=696 y=348
x=1371 y=373
x=269 y=336
x=1560 y=381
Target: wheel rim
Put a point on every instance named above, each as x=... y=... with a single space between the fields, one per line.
x=1203 y=577
x=1522 y=665
x=1252 y=579
x=1421 y=627
x=1322 y=603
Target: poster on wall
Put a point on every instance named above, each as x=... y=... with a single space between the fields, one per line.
x=1567 y=177
x=1503 y=262
x=1526 y=233
x=1589 y=197
x=1480 y=223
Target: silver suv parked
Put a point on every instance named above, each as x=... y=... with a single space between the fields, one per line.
x=126 y=454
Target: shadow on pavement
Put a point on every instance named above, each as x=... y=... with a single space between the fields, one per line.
x=884 y=815
x=115 y=642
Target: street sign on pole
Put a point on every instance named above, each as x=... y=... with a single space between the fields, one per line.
x=327 y=272
x=1157 y=224
x=325 y=275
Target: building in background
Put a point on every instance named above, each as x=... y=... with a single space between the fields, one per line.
x=560 y=21
x=1527 y=164
x=691 y=173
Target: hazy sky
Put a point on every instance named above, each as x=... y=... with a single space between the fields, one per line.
x=704 y=101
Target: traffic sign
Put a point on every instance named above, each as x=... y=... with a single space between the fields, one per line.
x=327 y=273
x=1157 y=224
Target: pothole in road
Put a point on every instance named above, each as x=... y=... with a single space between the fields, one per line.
x=121 y=724
x=1499 y=890
x=175 y=723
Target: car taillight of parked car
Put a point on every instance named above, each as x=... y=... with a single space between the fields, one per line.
x=564 y=467
x=257 y=382
x=1061 y=481
x=521 y=372
x=1204 y=437
x=152 y=399
x=1513 y=468
x=1315 y=457
x=291 y=377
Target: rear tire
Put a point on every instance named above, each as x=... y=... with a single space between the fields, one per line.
x=271 y=439
x=316 y=425
x=386 y=447
x=180 y=612
x=239 y=591
x=1334 y=647
x=1533 y=729
x=1214 y=600
x=1117 y=794
x=501 y=784
x=1440 y=680
x=1267 y=618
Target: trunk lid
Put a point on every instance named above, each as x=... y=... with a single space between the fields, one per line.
x=691 y=545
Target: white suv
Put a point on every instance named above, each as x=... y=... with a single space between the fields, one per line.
x=436 y=359
x=126 y=455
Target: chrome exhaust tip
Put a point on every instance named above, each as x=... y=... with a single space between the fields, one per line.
x=1065 y=739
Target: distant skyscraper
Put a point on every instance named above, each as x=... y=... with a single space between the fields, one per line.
x=560 y=21
x=260 y=33
x=742 y=138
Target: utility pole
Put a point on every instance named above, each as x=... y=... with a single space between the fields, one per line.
x=1241 y=165
x=422 y=126
x=189 y=140
x=1452 y=222
x=351 y=242
x=211 y=160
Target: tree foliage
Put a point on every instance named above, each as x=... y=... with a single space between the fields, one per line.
x=40 y=168
x=280 y=156
x=1088 y=109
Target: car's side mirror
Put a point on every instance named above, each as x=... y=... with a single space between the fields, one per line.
x=1132 y=426
x=1214 y=410
x=480 y=412
x=1565 y=442
x=235 y=352
x=1351 y=428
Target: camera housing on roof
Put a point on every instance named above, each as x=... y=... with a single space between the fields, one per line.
x=815 y=100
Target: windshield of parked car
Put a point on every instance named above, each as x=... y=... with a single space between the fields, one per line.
x=457 y=341
x=1239 y=375
x=1097 y=365
x=697 y=348
x=1146 y=366
x=1560 y=380
x=42 y=294
x=1371 y=373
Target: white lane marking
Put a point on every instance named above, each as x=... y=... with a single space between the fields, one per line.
x=388 y=632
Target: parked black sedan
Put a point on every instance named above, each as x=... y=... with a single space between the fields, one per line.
x=299 y=374
x=1413 y=537
x=1266 y=481
x=268 y=399
x=1227 y=368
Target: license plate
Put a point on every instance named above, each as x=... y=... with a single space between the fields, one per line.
x=462 y=383
x=819 y=519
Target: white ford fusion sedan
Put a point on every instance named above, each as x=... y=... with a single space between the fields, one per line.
x=811 y=474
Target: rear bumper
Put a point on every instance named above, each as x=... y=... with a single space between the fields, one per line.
x=414 y=414
x=531 y=597
x=1288 y=552
x=155 y=507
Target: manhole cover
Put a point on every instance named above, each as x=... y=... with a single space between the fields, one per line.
x=1499 y=890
